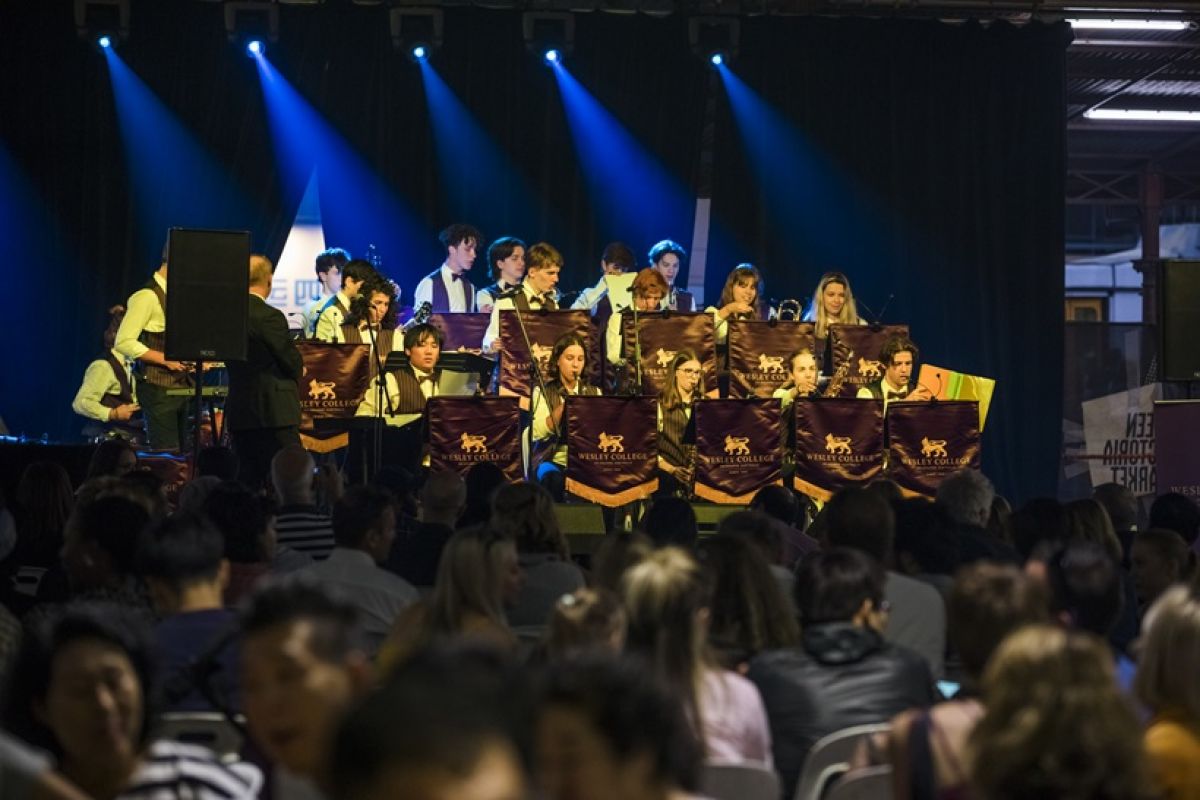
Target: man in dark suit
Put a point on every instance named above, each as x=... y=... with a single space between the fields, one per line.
x=263 y=409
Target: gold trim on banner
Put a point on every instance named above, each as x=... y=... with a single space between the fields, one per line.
x=714 y=495
x=318 y=445
x=608 y=498
x=909 y=494
x=812 y=490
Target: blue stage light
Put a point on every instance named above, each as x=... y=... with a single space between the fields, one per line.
x=419 y=52
x=552 y=56
x=717 y=59
x=105 y=42
x=255 y=47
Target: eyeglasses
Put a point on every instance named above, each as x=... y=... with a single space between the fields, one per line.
x=690 y=371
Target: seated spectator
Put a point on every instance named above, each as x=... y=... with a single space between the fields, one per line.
x=584 y=620
x=1039 y=525
x=41 y=506
x=863 y=521
x=843 y=673
x=1122 y=509
x=766 y=534
x=26 y=774
x=780 y=503
x=616 y=553
x=670 y=522
x=83 y=691
x=666 y=599
x=113 y=458
x=1160 y=558
x=219 y=461
x=364 y=528
x=997 y=526
x=609 y=729
x=924 y=548
x=927 y=749
x=524 y=512
x=182 y=561
x=418 y=549
x=966 y=497
x=482 y=481
x=195 y=492
x=299 y=524
x=244 y=521
x=101 y=548
x=748 y=613
x=1166 y=684
x=1179 y=513
x=149 y=489
x=303 y=665
x=1056 y=725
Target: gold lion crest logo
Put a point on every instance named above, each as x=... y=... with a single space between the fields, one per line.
x=837 y=445
x=737 y=445
x=541 y=353
x=768 y=363
x=472 y=443
x=869 y=369
x=933 y=448
x=611 y=443
x=321 y=390
x=664 y=356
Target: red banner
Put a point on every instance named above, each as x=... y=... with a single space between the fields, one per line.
x=665 y=333
x=544 y=328
x=860 y=345
x=928 y=441
x=758 y=353
x=612 y=448
x=334 y=379
x=464 y=431
x=738 y=448
x=461 y=331
x=839 y=441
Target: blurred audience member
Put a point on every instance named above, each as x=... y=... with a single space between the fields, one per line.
x=417 y=550
x=1179 y=513
x=112 y=458
x=966 y=496
x=782 y=504
x=670 y=522
x=584 y=620
x=615 y=554
x=1160 y=558
x=1122 y=509
x=299 y=523
x=482 y=481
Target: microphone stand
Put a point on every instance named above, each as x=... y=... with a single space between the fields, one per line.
x=535 y=374
x=381 y=398
x=637 y=350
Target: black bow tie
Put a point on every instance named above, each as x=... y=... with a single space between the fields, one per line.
x=454 y=276
x=425 y=378
x=896 y=395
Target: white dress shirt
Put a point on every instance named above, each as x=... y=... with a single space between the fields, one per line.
x=456 y=291
x=507 y=304
x=142 y=313
x=329 y=325
x=484 y=299
x=366 y=408
x=99 y=380
x=592 y=295
x=865 y=393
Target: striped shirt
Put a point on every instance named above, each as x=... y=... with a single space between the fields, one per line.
x=175 y=771
x=306 y=530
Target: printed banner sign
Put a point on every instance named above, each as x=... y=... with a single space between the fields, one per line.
x=758 y=354
x=612 y=448
x=928 y=441
x=860 y=345
x=946 y=384
x=544 y=328
x=461 y=331
x=665 y=333
x=1176 y=453
x=464 y=431
x=1118 y=435
x=839 y=441
x=334 y=379
x=738 y=448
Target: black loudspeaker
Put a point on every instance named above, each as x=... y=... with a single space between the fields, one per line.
x=1179 y=321
x=208 y=285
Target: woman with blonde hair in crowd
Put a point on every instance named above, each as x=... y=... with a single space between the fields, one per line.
x=584 y=620
x=832 y=303
x=742 y=298
x=667 y=599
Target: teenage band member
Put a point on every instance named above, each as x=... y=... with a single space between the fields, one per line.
x=447 y=289
x=537 y=291
x=649 y=288
x=566 y=375
x=263 y=407
x=802 y=365
x=617 y=259
x=666 y=257
x=331 y=315
x=675 y=402
x=409 y=388
x=372 y=321
x=832 y=303
x=897 y=356
x=329 y=273
x=142 y=337
x=740 y=299
x=506 y=261
x=107 y=394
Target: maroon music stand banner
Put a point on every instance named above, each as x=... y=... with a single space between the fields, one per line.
x=860 y=344
x=738 y=448
x=612 y=448
x=464 y=431
x=461 y=331
x=331 y=387
x=758 y=352
x=1176 y=456
x=665 y=333
x=839 y=441
x=929 y=440
x=544 y=328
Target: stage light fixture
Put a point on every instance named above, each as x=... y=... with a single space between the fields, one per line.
x=715 y=39
x=552 y=56
x=255 y=48
x=105 y=41
x=717 y=59
x=547 y=32
x=248 y=22
x=416 y=32
x=102 y=19
x=1142 y=115
x=419 y=52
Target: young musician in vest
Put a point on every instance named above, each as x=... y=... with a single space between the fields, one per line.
x=740 y=299
x=802 y=366
x=649 y=288
x=538 y=292
x=329 y=274
x=897 y=357
x=506 y=261
x=617 y=259
x=675 y=402
x=832 y=304
x=107 y=395
x=447 y=289
x=372 y=320
x=332 y=315
x=666 y=257
x=142 y=337
x=566 y=375
x=409 y=388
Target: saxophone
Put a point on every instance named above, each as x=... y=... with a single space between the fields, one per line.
x=834 y=387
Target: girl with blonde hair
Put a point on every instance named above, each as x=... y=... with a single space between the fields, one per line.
x=832 y=303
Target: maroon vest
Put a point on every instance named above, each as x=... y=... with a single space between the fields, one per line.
x=383 y=338
x=409 y=398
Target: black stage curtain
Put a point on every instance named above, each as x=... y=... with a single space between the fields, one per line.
x=948 y=141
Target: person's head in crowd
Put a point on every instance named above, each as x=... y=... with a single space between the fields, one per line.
x=292 y=473
x=759 y=529
x=666 y=258
x=482 y=480
x=615 y=554
x=803 y=370
x=832 y=303
x=101 y=542
x=744 y=284
x=1158 y=559
x=245 y=521
x=898 y=354
x=365 y=519
x=356 y=272
x=608 y=728
x=81 y=689
x=1170 y=650
x=148 y=488
x=841 y=585
x=461 y=241
x=1120 y=504
x=885 y=488
x=443 y=498
x=1085 y=587
x=1042 y=521
x=583 y=620
x=967 y=497
x=648 y=289
x=922 y=546
x=182 y=560
x=195 y=492
x=997 y=525
x=778 y=502
x=42 y=505
x=450 y=723
x=1176 y=512
x=986 y=604
x=423 y=345
x=402 y=485
x=749 y=612
x=302 y=664
x=375 y=304
x=525 y=513
x=114 y=457
x=617 y=258
x=1088 y=522
x=544 y=263
x=506 y=260
x=670 y=522
x=568 y=360
x=329 y=264
x=1056 y=723
x=861 y=519
x=219 y=461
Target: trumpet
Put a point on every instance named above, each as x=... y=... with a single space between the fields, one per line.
x=789 y=310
